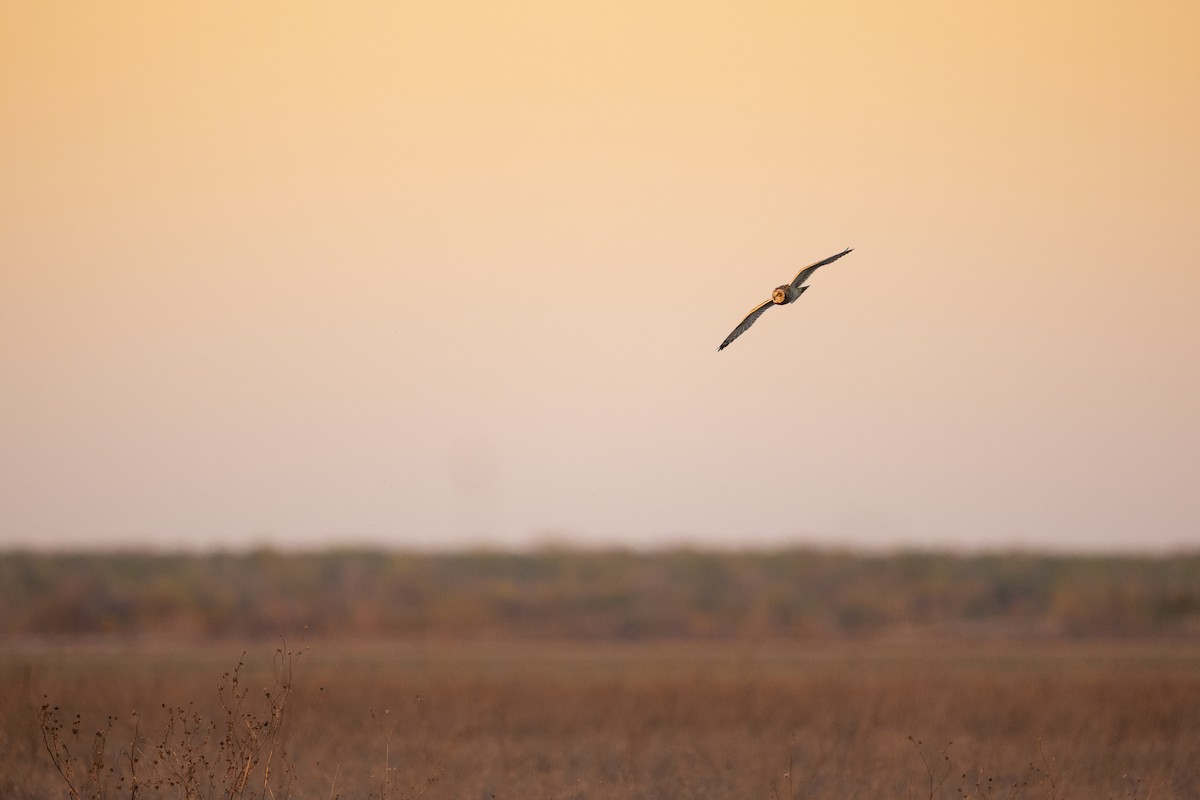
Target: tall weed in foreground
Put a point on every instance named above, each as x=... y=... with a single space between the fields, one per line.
x=241 y=753
x=1037 y=781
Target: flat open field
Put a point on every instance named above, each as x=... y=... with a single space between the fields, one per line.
x=510 y=720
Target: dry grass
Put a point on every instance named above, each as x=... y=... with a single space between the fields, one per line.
x=604 y=721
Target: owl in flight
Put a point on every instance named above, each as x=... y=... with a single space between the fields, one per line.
x=780 y=297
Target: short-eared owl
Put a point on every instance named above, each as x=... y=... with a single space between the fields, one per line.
x=780 y=297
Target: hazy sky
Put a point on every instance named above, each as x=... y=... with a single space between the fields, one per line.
x=444 y=273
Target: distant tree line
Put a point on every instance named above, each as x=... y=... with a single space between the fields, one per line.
x=605 y=594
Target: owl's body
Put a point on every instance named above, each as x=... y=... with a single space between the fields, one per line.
x=781 y=296
x=786 y=294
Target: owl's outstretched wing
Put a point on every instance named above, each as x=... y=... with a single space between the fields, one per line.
x=746 y=323
x=802 y=276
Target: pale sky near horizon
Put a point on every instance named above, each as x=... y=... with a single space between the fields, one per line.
x=446 y=274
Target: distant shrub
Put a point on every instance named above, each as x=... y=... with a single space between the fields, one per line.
x=591 y=595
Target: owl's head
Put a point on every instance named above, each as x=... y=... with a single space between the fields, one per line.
x=779 y=296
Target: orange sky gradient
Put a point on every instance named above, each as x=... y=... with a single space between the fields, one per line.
x=446 y=274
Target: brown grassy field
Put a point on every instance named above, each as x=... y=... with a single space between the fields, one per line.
x=512 y=720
